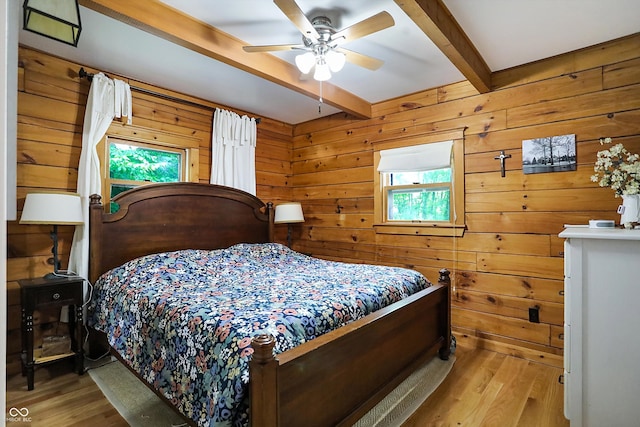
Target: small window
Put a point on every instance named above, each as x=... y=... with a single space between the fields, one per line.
x=420 y=189
x=419 y=196
x=131 y=164
x=131 y=156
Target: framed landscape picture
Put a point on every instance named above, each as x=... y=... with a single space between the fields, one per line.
x=549 y=154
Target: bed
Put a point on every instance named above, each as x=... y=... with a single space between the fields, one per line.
x=287 y=370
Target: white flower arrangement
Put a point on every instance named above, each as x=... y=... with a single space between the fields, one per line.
x=618 y=169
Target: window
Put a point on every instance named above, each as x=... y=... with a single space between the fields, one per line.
x=131 y=164
x=138 y=156
x=418 y=196
x=420 y=188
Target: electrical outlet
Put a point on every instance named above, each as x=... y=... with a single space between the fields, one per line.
x=534 y=315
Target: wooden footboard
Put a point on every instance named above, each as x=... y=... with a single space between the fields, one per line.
x=336 y=378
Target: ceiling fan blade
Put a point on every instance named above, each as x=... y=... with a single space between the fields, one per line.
x=363 y=28
x=272 y=48
x=299 y=19
x=361 y=60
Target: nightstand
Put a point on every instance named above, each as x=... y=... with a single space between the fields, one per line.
x=43 y=293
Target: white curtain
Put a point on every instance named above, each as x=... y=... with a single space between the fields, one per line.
x=233 y=151
x=107 y=99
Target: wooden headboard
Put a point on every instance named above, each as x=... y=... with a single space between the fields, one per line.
x=165 y=217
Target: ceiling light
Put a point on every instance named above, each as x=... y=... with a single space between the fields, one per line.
x=305 y=62
x=56 y=19
x=322 y=72
x=325 y=59
x=335 y=60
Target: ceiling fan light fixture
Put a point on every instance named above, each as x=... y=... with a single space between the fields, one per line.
x=322 y=72
x=321 y=41
x=305 y=62
x=335 y=60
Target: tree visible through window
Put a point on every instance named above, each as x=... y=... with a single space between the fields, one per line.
x=133 y=164
x=419 y=196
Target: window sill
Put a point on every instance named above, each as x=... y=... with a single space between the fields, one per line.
x=421 y=229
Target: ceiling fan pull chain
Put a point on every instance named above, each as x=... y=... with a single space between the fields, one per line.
x=320 y=100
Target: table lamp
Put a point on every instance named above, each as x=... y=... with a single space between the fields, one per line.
x=288 y=213
x=53 y=208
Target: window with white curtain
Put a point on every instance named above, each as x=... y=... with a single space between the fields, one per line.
x=420 y=187
x=417 y=182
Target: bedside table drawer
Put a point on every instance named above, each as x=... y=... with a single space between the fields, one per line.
x=57 y=295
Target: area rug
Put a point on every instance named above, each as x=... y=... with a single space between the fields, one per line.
x=403 y=401
x=140 y=407
x=137 y=404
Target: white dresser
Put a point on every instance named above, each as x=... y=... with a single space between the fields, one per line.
x=602 y=327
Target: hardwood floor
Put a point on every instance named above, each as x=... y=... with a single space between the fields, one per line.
x=61 y=398
x=484 y=388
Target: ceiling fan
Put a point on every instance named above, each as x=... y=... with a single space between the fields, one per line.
x=321 y=42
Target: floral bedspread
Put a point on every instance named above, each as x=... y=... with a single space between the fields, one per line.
x=184 y=320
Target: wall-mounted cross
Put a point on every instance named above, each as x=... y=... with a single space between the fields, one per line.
x=501 y=157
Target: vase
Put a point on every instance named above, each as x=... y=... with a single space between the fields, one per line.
x=629 y=210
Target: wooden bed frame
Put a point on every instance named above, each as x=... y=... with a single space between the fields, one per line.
x=332 y=380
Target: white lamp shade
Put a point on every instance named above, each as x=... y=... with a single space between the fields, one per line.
x=335 y=60
x=322 y=72
x=288 y=213
x=305 y=62
x=326 y=62
x=52 y=208
x=56 y=19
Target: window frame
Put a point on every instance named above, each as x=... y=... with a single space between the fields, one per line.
x=456 y=225
x=108 y=181
x=133 y=135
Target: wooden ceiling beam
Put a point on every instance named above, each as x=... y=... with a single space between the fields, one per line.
x=163 y=21
x=435 y=20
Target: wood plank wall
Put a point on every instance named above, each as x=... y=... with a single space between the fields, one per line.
x=510 y=258
x=51 y=105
